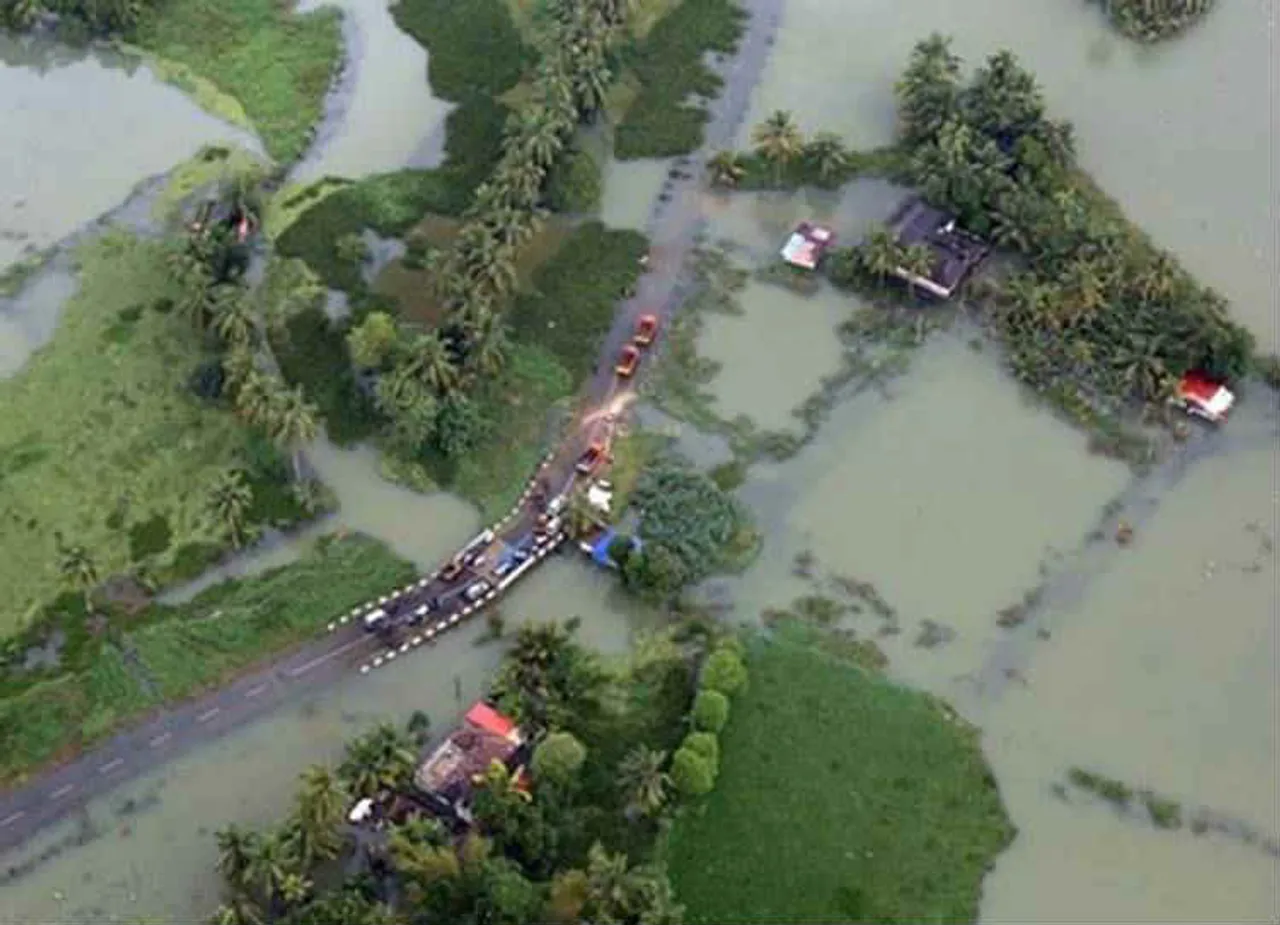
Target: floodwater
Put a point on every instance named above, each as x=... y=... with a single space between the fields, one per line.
x=1156 y=664
x=382 y=115
x=80 y=130
x=153 y=850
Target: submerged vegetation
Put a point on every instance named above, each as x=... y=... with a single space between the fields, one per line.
x=1155 y=20
x=669 y=66
x=891 y=815
x=111 y=662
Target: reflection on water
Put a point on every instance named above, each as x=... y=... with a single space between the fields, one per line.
x=78 y=130
x=382 y=114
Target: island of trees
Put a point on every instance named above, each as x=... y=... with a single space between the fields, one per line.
x=1155 y=20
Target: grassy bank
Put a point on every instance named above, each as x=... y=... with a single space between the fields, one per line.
x=889 y=815
x=668 y=66
x=576 y=292
x=177 y=651
x=101 y=434
x=276 y=64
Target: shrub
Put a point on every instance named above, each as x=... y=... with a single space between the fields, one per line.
x=149 y=537
x=710 y=710
x=704 y=744
x=724 y=672
x=472 y=47
x=558 y=757
x=574 y=184
x=473 y=139
x=693 y=775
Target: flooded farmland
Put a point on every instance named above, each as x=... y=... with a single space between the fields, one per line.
x=949 y=493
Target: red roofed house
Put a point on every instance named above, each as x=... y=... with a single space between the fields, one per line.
x=448 y=775
x=807 y=244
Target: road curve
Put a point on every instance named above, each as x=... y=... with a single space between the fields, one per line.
x=674 y=225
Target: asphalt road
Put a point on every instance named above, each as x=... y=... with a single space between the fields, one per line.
x=674 y=225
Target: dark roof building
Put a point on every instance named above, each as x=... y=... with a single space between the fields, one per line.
x=448 y=775
x=956 y=252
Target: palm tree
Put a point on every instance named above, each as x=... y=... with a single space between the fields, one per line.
x=726 y=169
x=828 y=154
x=317 y=816
x=929 y=91
x=880 y=253
x=294 y=889
x=489 y=345
x=238 y=366
x=233 y=318
x=382 y=759
x=197 y=288
x=236 y=847
x=917 y=261
x=239 y=910
x=229 y=503
x=272 y=867
x=778 y=141
x=430 y=358
x=580 y=518
x=641 y=778
x=294 y=424
x=254 y=399
x=76 y=567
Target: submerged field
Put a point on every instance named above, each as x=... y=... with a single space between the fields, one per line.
x=841 y=797
x=275 y=64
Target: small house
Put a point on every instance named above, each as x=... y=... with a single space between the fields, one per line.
x=807 y=244
x=448 y=776
x=956 y=252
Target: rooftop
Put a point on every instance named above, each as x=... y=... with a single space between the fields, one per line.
x=956 y=252
x=807 y=244
x=485 y=736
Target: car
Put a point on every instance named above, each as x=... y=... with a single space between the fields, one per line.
x=1203 y=396
x=628 y=360
x=452 y=570
x=646 y=330
x=592 y=458
x=478 y=590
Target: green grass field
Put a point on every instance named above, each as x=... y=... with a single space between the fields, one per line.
x=184 y=649
x=841 y=798
x=276 y=64
x=100 y=432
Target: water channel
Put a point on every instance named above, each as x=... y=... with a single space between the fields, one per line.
x=949 y=491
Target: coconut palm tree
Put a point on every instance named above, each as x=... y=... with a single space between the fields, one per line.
x=239 y=910
x=232 y=313
x=293 y=424
x=644 y=782
x=828 y=155
x=238 y=365
x=916 y=260
x=489 y=345
x=317 y=817
x=272 y=869
x=194 y=303
x=430 y=359
x=77 y=569
x=880 y=253
x=230 y=500
x=381 y=759
x=929 y=91
x=236 y=848
x=778 y=141
x=254 y=398
x=725 y=168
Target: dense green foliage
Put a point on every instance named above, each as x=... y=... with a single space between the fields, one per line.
x=177 y=650
x=1155 y=20
x=581 y=844
x=278 y=65
x=575 y=183
x=93 y=17
x=890 y=815
x=690 y=529
x=669 y=64
x=389 y=204
x=472 y=47
x=575 y=293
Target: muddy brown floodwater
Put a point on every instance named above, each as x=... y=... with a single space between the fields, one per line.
x=948 y=492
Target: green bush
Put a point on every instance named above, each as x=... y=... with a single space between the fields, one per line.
x=575 y=183
x=710 y=710
x=473 y=139
x=670 y=67
x=693 y=774
x=558 y=757
x=149 y=537
x=576 y=292
x=704 y=744
x=472 y=46
x=724 y=672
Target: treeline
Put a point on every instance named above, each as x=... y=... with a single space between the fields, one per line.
x=620 y=748
x=424 y=380
x=1155 y=20
x=95 y=17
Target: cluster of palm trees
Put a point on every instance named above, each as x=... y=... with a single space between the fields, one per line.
x=474 y=278
x=779 y=146
x=879 y=256
x=1096 y=309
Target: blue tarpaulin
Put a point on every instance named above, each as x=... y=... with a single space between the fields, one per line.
x=600 y=548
